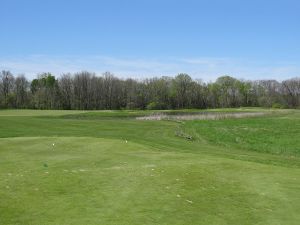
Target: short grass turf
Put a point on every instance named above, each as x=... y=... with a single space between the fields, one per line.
x=76 y=167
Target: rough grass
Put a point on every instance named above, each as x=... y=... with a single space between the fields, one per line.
x=233 y=171
x=272 y=134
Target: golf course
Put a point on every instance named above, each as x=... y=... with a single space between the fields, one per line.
x=60 y=167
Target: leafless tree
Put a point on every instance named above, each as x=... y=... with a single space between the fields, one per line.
x=291 y=92
x=7 y=86
x=21 y=91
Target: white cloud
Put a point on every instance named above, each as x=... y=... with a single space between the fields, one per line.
x=201 y=68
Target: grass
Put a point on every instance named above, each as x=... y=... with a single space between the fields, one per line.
x=233 y=171
x=275 y=135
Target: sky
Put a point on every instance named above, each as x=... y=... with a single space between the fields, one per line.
x=246 y=39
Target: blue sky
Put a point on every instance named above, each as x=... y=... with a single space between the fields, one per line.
x=205 y=38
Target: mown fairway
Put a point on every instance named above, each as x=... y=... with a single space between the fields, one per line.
x=106 y=167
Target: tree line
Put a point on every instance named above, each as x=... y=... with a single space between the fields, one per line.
x=86 y=91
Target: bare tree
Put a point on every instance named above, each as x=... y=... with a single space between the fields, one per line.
x=65 y=84
x=21 y=91
x=291 y=92
x=7 y=87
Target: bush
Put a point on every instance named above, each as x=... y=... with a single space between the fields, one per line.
x=130 y=105
x=277 y=106
x=152 y=105
x=156 y=105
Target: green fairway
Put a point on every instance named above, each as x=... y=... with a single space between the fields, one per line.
x=107 y=167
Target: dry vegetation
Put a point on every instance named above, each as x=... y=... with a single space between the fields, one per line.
x=201 y=116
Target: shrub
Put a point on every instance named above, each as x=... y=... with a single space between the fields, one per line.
x=277 y=106
x=152 y=105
